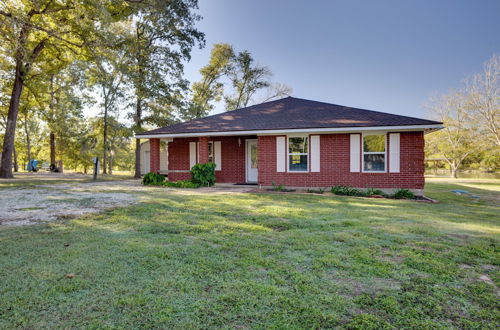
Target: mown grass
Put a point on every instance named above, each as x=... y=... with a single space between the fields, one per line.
x=189 y=260
x=25 y=180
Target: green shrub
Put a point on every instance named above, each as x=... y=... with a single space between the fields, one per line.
x=152 y=178
x=373 y=191
x=181 y=184
x=403 y=194
x=203 y=174
x=346 y=191
x=279 y=187
x=316 y=191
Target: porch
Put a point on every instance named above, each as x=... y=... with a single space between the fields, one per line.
x=236 y=157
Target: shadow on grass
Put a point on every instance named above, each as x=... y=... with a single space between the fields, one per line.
x=255 y=260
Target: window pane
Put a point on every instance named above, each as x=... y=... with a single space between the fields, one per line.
x=374 y=162
x=374 y=143
x=297 y=162
x=253 y=155
x=297 y=145
x=210 y=152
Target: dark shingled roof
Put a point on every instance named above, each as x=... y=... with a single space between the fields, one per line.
x=290 y=113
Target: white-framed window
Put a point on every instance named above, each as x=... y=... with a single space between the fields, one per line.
x=298 y=153
x=374 y=152
x=211 y=158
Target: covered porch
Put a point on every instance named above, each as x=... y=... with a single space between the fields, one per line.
x=236 y=157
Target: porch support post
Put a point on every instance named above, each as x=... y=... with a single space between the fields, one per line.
x=154 y=155
x=203 y=150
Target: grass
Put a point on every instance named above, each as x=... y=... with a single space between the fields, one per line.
x=28 y=180
x=190 y=260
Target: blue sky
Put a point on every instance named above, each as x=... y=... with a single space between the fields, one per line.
x=389 y=56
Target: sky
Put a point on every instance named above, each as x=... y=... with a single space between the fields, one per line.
x=389 y=56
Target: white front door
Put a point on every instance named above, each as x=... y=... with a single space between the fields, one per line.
x=252 y=161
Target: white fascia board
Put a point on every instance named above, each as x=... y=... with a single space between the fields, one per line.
x=297 y=131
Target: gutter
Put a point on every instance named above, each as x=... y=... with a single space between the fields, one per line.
x=408 y=128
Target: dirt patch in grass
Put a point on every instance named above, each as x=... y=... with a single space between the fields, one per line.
x=45 y=203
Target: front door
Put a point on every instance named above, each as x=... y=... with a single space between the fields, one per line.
x=252 y=161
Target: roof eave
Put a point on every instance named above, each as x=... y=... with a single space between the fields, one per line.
x=425 y=128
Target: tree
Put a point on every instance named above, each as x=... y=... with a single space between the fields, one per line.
x=484 y=99
x=277 y=91
x=160 y=38
x=30 y=124
x=59 y=103
x=105 y=73
x=246 y=81
x=35 y=31
x=459 y=137
x=210 y=88
x=246 y=78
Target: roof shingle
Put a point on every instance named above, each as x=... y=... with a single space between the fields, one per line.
x=290 y=113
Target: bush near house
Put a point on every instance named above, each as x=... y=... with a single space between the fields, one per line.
x=403 y=194
x=203 y=174
x=181 y=184
x=346 y=191
x=153 y=179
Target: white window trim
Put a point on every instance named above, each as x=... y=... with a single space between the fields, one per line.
x=288 y=152
x=373 y=153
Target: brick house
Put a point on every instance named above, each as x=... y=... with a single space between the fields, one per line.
x=297 y=143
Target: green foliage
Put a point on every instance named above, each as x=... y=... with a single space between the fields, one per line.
x=374 y=143
x=346 y=191
x=279 y=187
x=210 y=88
x=181 y=184
x=316 y=191
x=244 y=75
x=153 y=179
x=373 y=191
x=247 y=78
x=471 y=137
x=203 y=174
x=403 y=194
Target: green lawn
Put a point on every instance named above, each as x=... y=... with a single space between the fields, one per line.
x=188 y=260
x=27 y=180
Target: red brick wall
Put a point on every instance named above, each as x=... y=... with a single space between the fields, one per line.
x=203 y=150
x=335 y=165
x=232 y=158
x=154 y=155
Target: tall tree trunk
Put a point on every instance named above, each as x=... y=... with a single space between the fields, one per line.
x=10 y=128
x=28 y=138
x=105 y=139
x=53 y=148
x=22 y=69
x=138 y=115
x=110 y=164
x=52 y=135
x=16 y=165
x=453 y=169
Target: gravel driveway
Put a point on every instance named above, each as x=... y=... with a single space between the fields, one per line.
x=28 y=205
x=25 y=205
